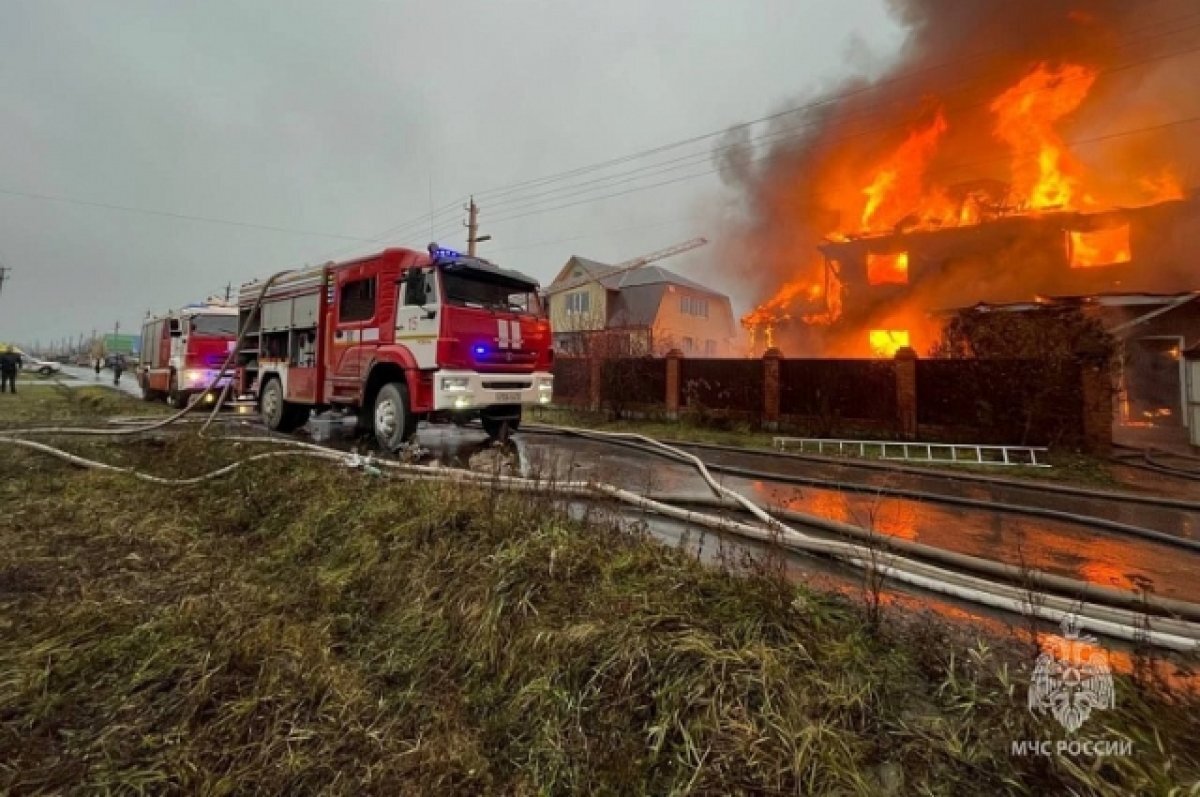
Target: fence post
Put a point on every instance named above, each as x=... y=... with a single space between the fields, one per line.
x=906 y=391
x=1097 y=393
x=595 y=374
x=672 y=397
x=771 y=388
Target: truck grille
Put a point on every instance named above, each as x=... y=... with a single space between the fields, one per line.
x=509 y=385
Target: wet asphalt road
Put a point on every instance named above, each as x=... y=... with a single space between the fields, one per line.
x=1066 y=548
x=83 y=377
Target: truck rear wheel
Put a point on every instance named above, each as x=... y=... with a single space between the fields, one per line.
x=500 y=428
x=279 y=414
x=392 y=417
x=147 y=393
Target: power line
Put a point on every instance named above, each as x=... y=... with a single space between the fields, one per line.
x=172 y=215
x=1074 y=142
x=493 y=193
x=534 y=211
x=777 y=136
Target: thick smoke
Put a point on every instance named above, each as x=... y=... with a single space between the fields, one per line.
x=801 y=178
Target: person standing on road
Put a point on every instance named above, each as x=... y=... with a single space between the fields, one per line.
x=98 y=363
x=10 y=363
x=118 y=366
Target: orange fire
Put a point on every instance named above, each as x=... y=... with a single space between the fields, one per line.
x=1162 y=187
x=885 y=269
x=901 y=192
x=898 y=185
x=1101 y=247
x=1025 y=119
x=886 y=342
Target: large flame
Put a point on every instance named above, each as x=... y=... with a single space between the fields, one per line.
x=898 y=185
x=901 y=192
x=1025 y=118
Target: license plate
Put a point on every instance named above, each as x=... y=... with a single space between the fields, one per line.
x=508 y=397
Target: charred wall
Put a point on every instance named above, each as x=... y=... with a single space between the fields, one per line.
x=1020 y=257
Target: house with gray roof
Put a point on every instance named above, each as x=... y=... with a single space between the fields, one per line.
x=647 y=310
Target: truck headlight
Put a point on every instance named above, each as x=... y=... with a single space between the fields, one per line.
x=545 y=384
x=455 y=384
x=193 y=378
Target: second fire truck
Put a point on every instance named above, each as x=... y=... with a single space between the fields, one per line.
x=183 y=351
x=397 y=337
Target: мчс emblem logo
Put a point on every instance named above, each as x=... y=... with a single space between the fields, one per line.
x=1071 y=678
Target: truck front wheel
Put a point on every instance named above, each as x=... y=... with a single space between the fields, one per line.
x=392 y=417
x=278 y=414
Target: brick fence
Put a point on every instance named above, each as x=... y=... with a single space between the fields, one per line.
x=1031 y=402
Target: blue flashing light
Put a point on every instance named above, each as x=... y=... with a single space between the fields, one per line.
x=479 y=350
x=443 y=253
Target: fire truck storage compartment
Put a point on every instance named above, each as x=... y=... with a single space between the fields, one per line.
x=154 y=352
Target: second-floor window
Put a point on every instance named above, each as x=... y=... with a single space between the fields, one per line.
x=690 y=305
x=579 y=303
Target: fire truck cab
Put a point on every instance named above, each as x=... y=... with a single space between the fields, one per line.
x=183 y=351
x=396 y=337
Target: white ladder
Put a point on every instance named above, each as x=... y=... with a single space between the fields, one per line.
x=941 y=453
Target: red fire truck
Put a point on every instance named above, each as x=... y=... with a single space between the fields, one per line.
x=184 y=349
x=396 y=337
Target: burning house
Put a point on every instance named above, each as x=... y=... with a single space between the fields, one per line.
x=1119 y=251
x=1015 y=150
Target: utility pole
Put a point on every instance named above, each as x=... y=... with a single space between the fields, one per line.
x=473 y=236
x=228 y=290
x=3 y=276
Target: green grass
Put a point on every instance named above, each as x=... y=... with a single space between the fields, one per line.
x=301 y=628
x=739 y=433
x=46 y=401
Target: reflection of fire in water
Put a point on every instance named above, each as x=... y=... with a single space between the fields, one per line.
x=886 y=342
x=1101 y=247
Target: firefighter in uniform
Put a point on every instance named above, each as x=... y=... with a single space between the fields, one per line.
x=10 y=363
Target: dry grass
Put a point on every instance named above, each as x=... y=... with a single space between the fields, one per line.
x=299 y=628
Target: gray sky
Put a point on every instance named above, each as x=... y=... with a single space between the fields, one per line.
x=340 y=118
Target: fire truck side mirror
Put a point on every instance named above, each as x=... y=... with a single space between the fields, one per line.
x=174 y=327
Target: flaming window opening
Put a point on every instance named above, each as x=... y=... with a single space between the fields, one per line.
x=887 y=269
x=1106 y=247
x=886 y=342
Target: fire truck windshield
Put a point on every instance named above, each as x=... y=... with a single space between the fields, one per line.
x=216 y=325
x=477 y=288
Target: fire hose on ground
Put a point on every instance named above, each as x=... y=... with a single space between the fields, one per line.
x=1115 y=621
x=673 y=453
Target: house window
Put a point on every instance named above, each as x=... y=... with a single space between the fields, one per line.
x=358 y=300
x=688 y=345
x=579 y=302
x=710 y=348
x=690 y=305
